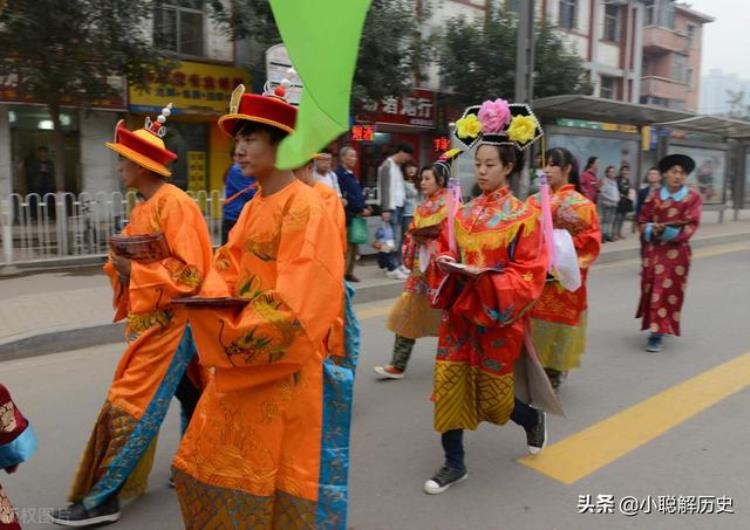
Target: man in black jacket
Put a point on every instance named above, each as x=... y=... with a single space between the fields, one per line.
x=354 y=202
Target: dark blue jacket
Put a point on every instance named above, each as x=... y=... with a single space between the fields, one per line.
x=236 y=182
x=352 y=192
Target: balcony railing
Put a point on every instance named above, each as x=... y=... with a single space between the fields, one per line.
x=663 y=87
x=657 y=39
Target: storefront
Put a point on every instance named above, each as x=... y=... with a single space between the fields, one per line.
x=392 y=121
x=27 y=142
x=200 y=93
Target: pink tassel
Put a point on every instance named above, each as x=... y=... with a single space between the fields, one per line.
x=454 y=203
x=547 y=226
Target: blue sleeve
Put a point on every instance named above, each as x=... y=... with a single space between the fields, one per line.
x=19 y=450
x=670 y=233
x=231 y=185
x=648 y=233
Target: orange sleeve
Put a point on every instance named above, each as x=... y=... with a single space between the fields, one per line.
x=588 y=240
x=153 y=285
x=281 y=328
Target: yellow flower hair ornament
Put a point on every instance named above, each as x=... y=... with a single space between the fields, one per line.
x=468 y=127
x=522 y=129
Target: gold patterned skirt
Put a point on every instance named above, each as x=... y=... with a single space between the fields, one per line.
x=413 y=317
x=560 y=346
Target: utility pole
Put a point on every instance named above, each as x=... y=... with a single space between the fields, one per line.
x=524 y=81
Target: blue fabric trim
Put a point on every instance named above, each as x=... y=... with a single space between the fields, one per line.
x=146 y=429
x=338 y=390
x=677 y=196
x=670 y=233
x=20 y=449
x=648 y=233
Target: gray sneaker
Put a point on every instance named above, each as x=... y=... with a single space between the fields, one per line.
x=444 y=479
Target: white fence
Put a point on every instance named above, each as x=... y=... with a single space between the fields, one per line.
x=57 y=226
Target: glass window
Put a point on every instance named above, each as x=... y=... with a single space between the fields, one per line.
x=650 y=16
x=178 y=27
x=608 y=88
x=680 y=68
x=183 y=139
x=691 y=35
x=33 y=149
x=567 y=14
x=612 y=23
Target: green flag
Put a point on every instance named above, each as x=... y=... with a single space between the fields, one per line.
x=322 y=39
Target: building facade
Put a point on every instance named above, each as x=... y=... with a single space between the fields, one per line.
x=672 y=42
x=199 y=88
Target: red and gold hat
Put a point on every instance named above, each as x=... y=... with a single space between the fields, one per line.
x=270 y=109
x=145 y=146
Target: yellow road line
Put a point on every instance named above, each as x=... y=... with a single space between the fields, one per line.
x=585 y=452
x=372 y=312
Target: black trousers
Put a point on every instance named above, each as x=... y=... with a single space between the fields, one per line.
x=453 y=441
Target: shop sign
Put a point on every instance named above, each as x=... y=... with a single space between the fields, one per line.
x=417 y=109
x=11 y=91
x=196 y=170
x=441 y=144
x=363 y=133
x=192 y=88
x=278 y=65
x=597 y=125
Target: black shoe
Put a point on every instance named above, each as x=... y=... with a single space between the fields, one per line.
x=444 y=479
x=351 y=278
x=536 y=437
x=77 y=516
x=555 y=378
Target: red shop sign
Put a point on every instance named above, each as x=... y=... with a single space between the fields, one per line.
x=417 y=109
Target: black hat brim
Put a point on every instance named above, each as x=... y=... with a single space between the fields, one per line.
x=684 y=161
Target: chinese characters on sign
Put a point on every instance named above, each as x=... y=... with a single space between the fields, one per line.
x=190 y=87
x=11 y=91
x=441 y=144
x=362 y=133
x=417 y=109
x=196 y=170
x=631 y=506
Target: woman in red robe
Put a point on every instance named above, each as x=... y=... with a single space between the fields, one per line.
x=668 y=219
x=412 y=317
x=493 y=268
x=558 y=321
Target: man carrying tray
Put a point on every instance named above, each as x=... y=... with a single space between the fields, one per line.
x=257 y=453
x=168 y=251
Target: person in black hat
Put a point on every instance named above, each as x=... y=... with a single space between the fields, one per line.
x=668 y=220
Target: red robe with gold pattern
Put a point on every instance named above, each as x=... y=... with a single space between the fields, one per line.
x=483 y=322
x=573 y=212
x=666 y=259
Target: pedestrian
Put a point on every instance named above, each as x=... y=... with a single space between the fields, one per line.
x=145 y=281
x=668 y=219
x=323 y=173
x=412 y=317
x=17 y=444
x=255 y=454
x=625 y=206
x=354 y=205
x=238 y=190
x=492 y=270
x=559 y=319
x=392 y=189
x=40 y=178
x=384 y=244
x=607 y=202
x=412 y=180
x=652 y=184
x=590 y=183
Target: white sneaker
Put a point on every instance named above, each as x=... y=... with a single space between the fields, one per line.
x=396 y=274
x=404 y=270
x=388 y=372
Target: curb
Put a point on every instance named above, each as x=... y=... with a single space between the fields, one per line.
x=73 y=339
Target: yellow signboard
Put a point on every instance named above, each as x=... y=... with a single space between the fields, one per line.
x=194 y=88
x=196 y=161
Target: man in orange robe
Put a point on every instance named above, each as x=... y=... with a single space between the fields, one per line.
x=255 y=453
x=120 y=451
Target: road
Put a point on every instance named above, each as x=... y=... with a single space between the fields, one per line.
x=638 y=424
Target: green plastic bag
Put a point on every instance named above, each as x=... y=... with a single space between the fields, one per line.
x=358 y=231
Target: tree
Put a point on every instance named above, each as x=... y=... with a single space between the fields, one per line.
x=737 y=106
x=391 y=51
x=64 y=53
x=478 y=60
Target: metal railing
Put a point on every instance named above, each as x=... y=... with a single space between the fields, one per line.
x=64 y=225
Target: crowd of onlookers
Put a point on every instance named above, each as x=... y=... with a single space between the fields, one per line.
x=615 y=194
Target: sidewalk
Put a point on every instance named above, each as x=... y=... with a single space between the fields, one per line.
x=57 y=311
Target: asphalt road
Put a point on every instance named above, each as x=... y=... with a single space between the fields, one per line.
x=688 y=440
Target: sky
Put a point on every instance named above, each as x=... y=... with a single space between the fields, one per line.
x=726 y=40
